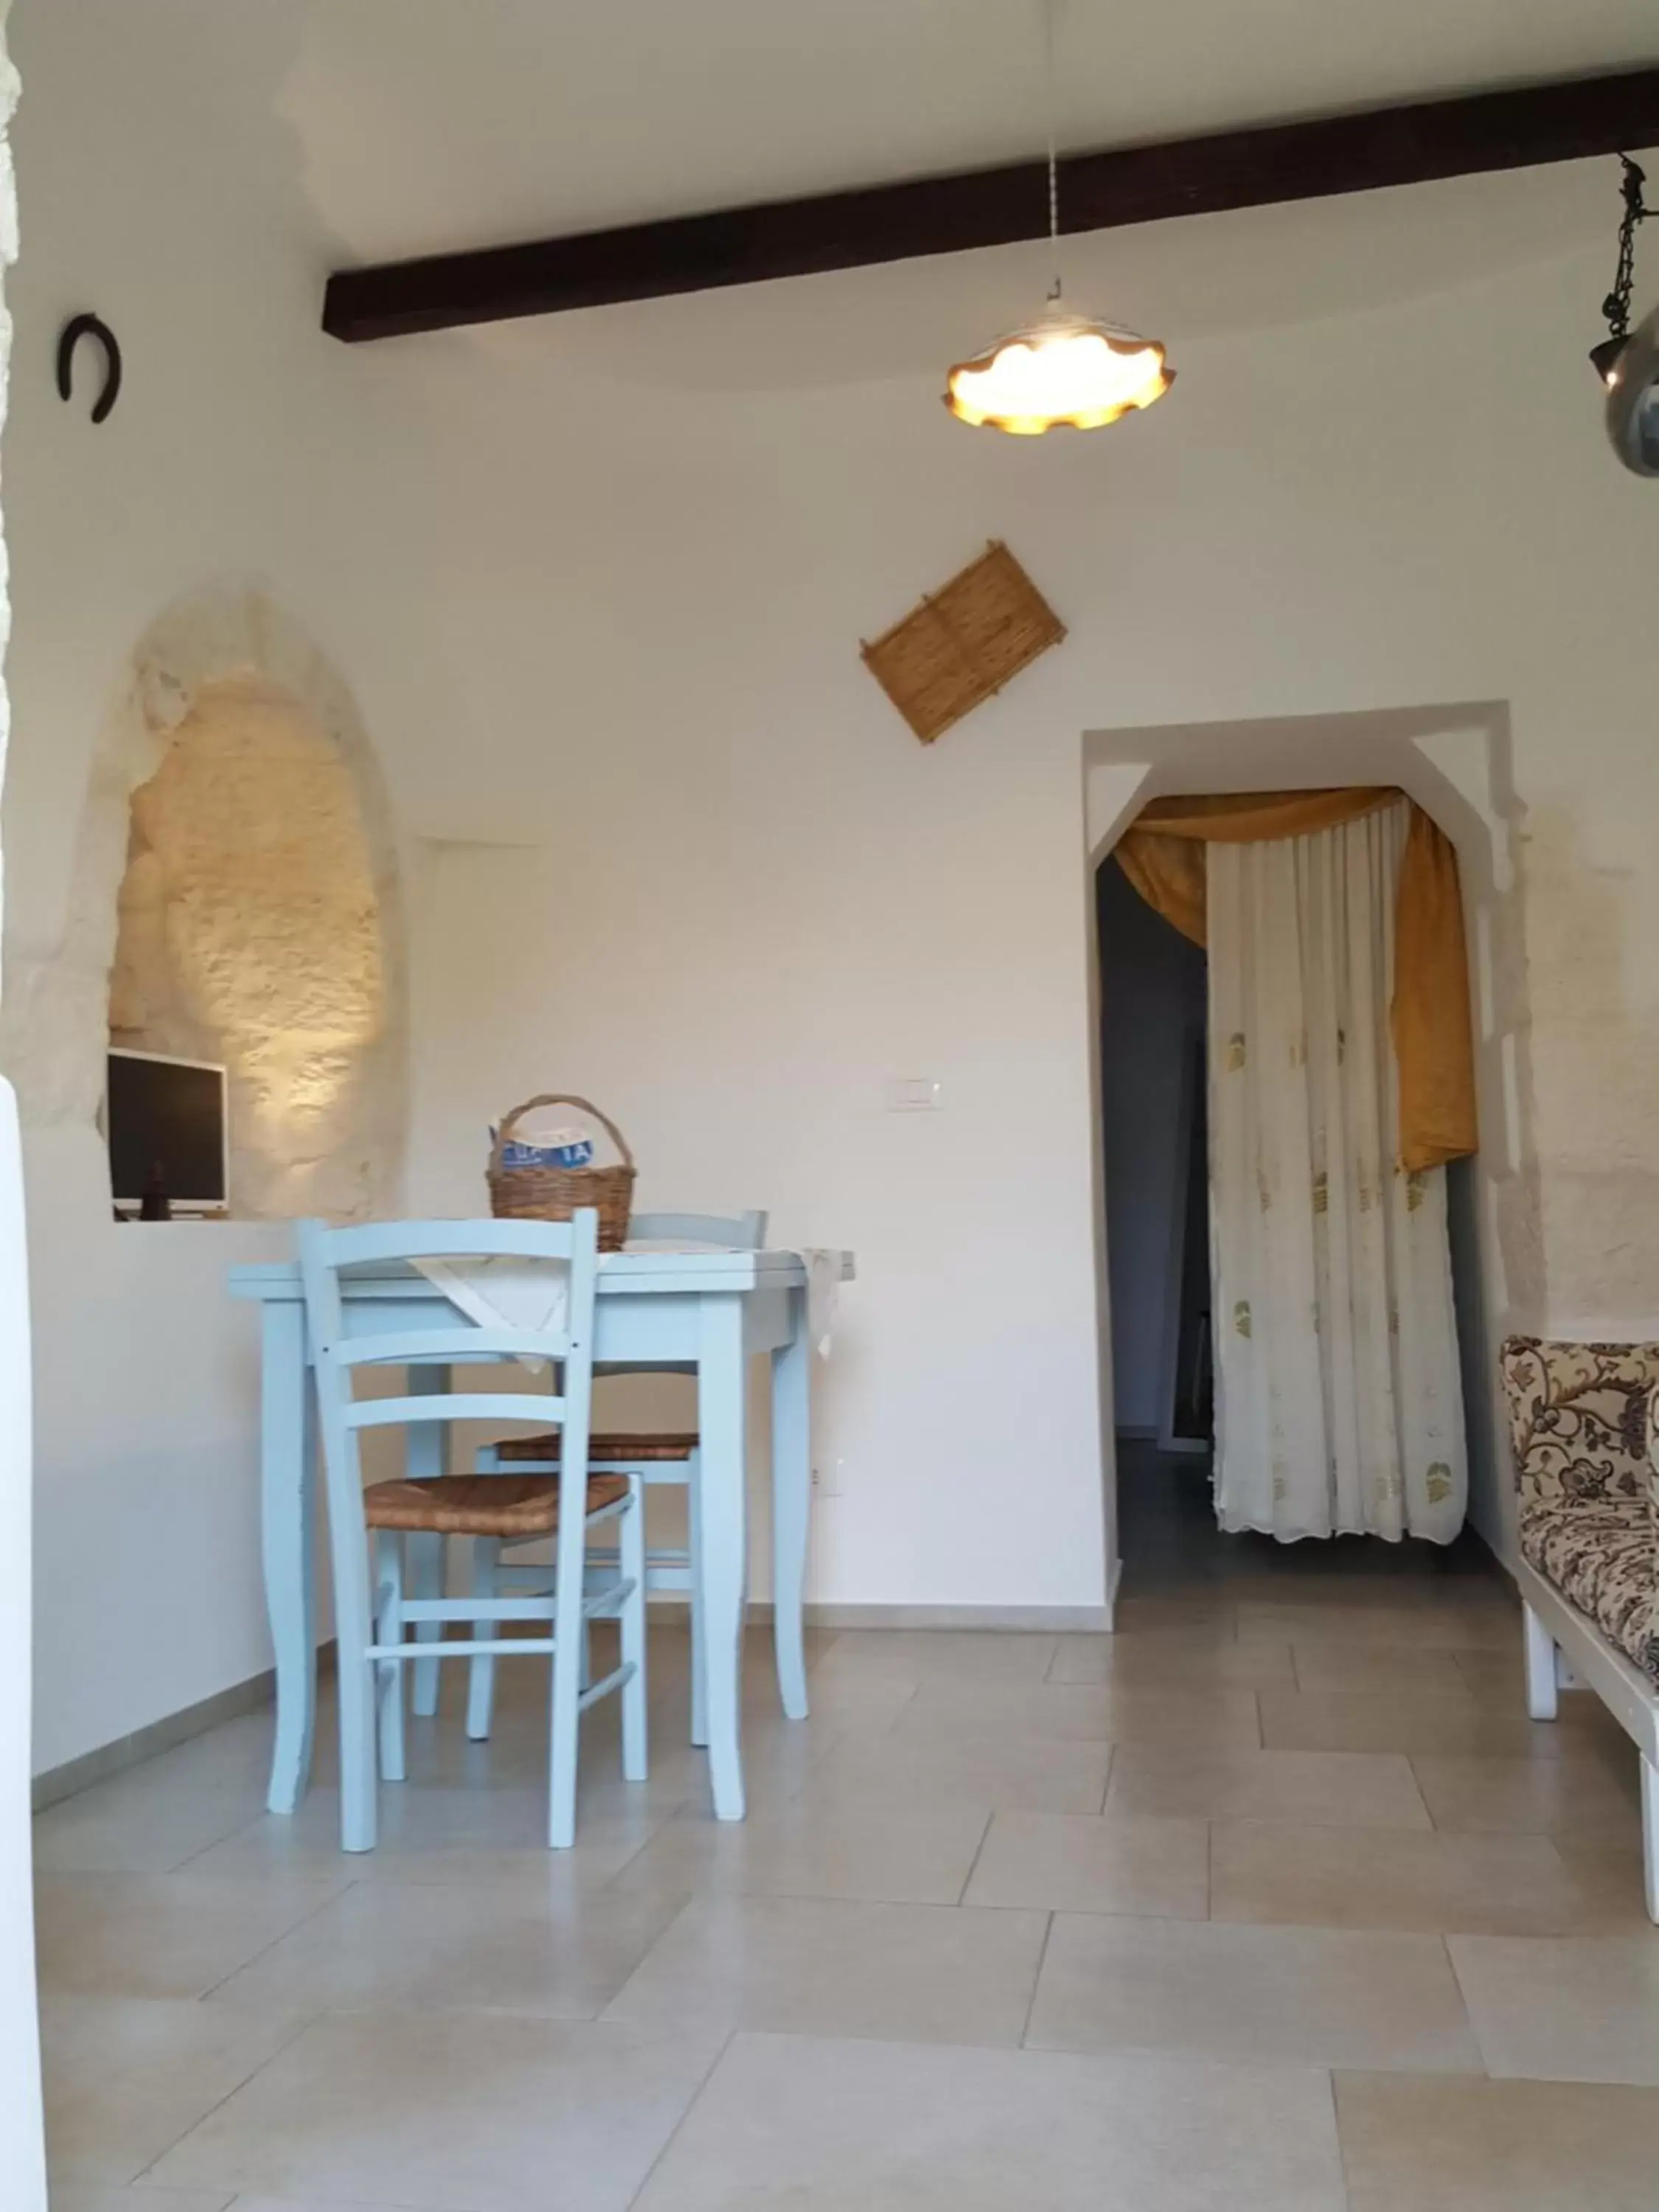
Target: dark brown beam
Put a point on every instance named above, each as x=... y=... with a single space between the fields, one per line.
x=1257 y=168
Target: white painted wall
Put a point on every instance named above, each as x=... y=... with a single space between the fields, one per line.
x=598 y=588
x=1151 y=1004
x=745 y=898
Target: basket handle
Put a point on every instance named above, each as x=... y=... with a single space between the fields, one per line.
x=510 y=1122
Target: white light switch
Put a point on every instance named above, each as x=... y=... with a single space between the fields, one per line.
x=914 y=1094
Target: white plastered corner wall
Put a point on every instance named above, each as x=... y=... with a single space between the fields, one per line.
x=22 y=2144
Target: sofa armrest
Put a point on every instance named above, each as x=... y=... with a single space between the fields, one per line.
x=1579 y=1419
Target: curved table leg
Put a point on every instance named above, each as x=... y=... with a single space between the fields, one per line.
x=288 y=1455
x=723 y=1544
x=791 y=1504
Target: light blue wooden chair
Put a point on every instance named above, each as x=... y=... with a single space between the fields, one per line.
x=664 y=1457
x=371 y=1612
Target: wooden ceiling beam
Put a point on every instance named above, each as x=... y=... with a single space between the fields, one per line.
x=1524 y=128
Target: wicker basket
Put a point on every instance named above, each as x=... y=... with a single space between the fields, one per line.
x=555 y=1193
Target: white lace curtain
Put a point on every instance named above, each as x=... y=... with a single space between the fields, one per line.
x=1339 y=1404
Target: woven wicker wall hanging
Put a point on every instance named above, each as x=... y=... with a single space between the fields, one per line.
x=962 y=645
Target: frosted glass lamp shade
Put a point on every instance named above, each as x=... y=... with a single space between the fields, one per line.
x=1060 y=373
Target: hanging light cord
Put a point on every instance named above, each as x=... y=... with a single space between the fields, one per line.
x=1053 y=157
x=1616 y=305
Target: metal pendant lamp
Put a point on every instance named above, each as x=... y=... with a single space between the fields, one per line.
x=1062 y=370
x=1633 y=400
x=1628 y=362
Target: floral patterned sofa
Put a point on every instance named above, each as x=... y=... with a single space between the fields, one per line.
x=1584 y=1424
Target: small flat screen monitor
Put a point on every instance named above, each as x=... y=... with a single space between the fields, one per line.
x=165 y=1120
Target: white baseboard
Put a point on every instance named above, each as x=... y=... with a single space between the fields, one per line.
x=74 y=1775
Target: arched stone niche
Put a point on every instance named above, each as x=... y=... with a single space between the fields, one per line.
x=236 y=899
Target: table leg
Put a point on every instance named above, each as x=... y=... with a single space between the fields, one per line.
x=791 y=1504
x=723 y=1546
x=694 y=1606
x=426 y=1443
x=288 y=1479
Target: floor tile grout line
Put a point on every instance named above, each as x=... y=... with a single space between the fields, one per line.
x=1469 y=2009
x=692 y=2102
x=979 y=1849
x=306 y=2023
x=191 y=1857
x=1336 y=2130
x=1411 y=1758
x=264 y=1949
x=606 y=2016
x=1036 y=1979
x=245 y=2196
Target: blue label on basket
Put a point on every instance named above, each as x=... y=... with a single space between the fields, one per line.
x=515 y=1155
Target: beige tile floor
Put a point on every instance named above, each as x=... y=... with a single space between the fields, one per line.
x=1238 y=1907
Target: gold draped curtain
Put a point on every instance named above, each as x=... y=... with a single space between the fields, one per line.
x=1163 y=856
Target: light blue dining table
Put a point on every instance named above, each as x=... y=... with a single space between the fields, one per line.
x=702 y=1313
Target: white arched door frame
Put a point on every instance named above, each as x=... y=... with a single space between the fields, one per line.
x=1455 y=761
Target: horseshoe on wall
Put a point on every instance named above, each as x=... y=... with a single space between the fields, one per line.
x=82 y=326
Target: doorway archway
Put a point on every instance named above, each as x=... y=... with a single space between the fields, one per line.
x=1455 y=761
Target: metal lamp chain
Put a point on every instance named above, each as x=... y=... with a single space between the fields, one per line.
x=1616 y=305
x=1054 y=159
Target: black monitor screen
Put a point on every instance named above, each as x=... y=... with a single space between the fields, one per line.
x=167 y=1117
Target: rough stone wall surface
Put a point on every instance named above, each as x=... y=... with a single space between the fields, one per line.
x=249 y=930
x=236 y=896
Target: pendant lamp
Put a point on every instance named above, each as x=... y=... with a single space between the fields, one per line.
x=1627 y=361
x=1633 y=400
x=1061 y=371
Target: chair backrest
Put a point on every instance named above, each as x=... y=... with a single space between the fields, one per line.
x=743 y=1232
x=567 y=1350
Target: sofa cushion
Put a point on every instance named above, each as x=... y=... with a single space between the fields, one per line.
x=1578 y=1418
x=1600 y=1554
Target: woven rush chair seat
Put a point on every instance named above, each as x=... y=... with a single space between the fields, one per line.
x=503 y=1505
x=667 y=1444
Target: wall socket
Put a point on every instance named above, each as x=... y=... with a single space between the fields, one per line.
x=915 y=1094
x=827 y=1478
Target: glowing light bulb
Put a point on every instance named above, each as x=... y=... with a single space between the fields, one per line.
x=1060 y=373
